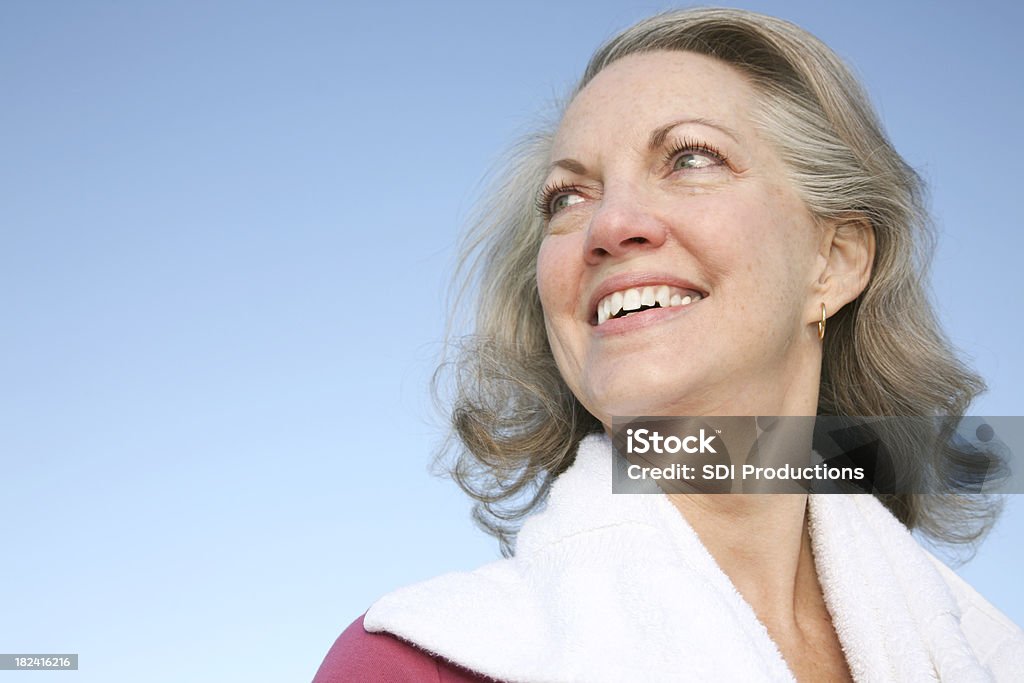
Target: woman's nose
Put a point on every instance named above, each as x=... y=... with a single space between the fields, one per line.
x=621 y=225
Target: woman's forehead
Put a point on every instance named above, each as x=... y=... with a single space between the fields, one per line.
x=639 y=92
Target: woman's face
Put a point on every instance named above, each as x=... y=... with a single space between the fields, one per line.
x=662 y=193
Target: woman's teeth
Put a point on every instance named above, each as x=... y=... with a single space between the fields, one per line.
x=627 y=301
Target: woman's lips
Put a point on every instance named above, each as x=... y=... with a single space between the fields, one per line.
x=643 y=318
x=638 y=290
x=636 y=300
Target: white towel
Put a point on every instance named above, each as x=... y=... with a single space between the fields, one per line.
x=607 y=587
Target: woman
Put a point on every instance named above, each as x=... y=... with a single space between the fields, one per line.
x=718 y=226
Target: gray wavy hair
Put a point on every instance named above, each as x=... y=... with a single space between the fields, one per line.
x=516 y=425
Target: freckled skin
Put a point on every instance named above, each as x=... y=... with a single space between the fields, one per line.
x=737 y=229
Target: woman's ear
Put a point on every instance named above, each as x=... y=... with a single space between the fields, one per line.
x=848 y=254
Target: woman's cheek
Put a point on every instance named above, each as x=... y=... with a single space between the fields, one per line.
x=556 y=271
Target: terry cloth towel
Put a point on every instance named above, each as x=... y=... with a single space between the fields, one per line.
x=618 y=587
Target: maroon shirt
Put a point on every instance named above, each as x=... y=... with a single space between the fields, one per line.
x=382 y=658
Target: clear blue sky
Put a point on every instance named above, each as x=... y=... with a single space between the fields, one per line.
x=225 y=229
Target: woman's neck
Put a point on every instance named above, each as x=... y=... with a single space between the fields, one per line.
x=762 y=544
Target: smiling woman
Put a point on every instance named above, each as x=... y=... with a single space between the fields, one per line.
x=699 y=206
x=717 y=227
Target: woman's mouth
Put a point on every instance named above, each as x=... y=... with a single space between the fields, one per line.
x=627 y=302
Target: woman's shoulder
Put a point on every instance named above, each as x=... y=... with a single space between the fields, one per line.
x=358 y=655
x=996 y=640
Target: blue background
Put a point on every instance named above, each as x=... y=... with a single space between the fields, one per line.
x=225 y=233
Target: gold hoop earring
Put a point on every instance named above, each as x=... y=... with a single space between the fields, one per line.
x=821 y=324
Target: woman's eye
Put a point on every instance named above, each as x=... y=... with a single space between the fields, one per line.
x=693 y=160
x=563 y=201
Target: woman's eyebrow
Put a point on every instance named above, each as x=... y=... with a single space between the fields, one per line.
x=658 y=135
x=570 y=165
x=654 y=142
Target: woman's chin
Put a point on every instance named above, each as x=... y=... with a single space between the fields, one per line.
x=649 y=402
